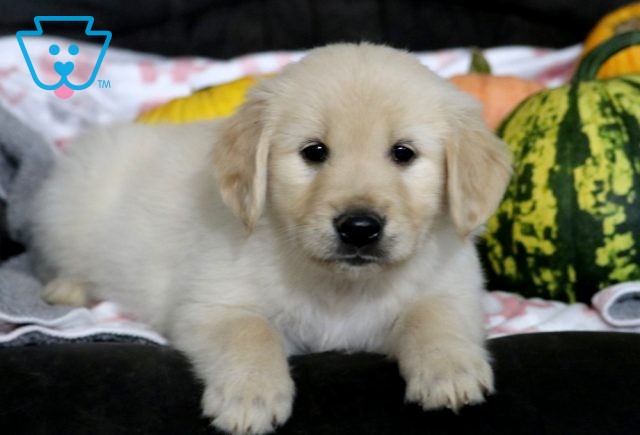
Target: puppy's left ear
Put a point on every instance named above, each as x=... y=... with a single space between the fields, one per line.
x=240 y=158
x=478 y=171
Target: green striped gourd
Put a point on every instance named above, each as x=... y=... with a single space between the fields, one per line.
x=570 y=220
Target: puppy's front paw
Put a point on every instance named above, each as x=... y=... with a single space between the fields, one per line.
x=246 y=403
x=447 y=377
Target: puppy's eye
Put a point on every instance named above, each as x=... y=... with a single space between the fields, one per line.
x=402 y=154
x=315 y=152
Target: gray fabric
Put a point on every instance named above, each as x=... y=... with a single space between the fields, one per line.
x=39 y=338
x=25 y=159
x=626 y=307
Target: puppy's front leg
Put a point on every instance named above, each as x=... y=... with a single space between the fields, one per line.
x=439 y=345
x=241 y=358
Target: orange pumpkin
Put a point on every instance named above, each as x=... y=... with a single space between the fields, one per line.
x=499 y=95
x=621 y=20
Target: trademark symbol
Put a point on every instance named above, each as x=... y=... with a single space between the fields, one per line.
x=104 y=84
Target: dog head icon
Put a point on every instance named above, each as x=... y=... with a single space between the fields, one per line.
x=63 y=56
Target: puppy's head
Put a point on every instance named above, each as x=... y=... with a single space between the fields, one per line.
x=357 y=150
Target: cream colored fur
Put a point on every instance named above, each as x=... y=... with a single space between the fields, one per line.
x=220 y=234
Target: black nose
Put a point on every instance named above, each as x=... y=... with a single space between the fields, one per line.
x=359 y=229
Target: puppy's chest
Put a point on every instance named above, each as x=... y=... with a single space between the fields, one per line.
x=365 y=326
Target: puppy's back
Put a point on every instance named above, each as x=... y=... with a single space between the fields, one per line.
x=107 y=194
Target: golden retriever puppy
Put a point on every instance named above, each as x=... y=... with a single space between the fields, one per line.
x=335 y=210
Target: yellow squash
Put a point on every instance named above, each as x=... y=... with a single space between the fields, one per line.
x=621 y=20
x=209 y=103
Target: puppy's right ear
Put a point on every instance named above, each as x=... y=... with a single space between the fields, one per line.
x=240 y=159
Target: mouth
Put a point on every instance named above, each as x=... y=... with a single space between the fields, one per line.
x=359 y=260
x=353 y=260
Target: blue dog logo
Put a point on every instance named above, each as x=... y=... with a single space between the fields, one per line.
x=63 y=88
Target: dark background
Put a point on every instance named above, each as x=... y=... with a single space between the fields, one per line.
x=226 y=28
